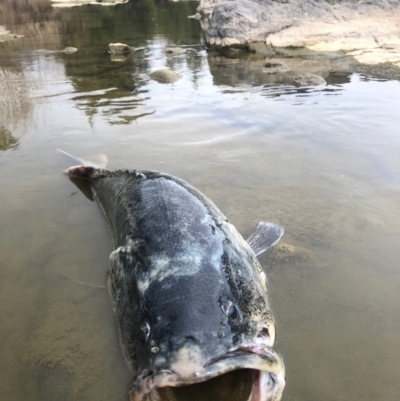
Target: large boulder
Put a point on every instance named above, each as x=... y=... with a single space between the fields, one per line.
x=370 y=29
x=355 y=35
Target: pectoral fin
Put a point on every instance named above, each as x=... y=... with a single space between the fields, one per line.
x=264 y=237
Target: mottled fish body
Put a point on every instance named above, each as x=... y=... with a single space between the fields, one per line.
x=187 y=290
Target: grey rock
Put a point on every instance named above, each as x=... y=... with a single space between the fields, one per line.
x=317 y=25
x=236 y=22
x=164 y=76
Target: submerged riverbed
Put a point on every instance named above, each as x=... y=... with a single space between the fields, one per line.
x=323 y=162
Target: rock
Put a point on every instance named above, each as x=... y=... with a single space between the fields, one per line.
x=119 y=48
x=370 y=27
x=309 y=79
x=236 y=22
x=6 y=35
x=164 y=76
x=7 y=141
x=118 y=58
x=70 y=50
x=385 y=54
x=67 y=50
x=290 y=254
x=274 y=67
x=261 y=48
x=206 y=7
x=174 y=50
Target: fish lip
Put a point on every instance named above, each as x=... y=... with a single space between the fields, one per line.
x=248 y=349
x=257 y=357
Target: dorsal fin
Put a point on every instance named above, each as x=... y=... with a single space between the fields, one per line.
x=264 y=237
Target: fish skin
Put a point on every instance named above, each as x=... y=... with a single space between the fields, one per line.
x=185 y=286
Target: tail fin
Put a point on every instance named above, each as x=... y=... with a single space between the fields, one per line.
x=86 y=172
x=85 y=169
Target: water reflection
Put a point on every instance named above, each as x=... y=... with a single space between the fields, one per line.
x=120 y=92
x=75 y=3
x=16 y=106
x=115 y=91
x=235 y=68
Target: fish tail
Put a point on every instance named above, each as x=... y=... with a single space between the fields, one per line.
x=84 y=169
x=86 y=172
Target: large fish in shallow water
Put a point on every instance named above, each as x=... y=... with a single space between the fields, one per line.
x=187 y=290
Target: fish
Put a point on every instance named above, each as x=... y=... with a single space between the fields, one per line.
x=189 y=295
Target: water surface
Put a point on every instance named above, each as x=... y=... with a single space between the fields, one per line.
x=323 y=162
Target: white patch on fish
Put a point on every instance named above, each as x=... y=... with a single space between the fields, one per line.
x=188 y=362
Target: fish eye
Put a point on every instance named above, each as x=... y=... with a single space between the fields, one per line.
x=232 y=312
x=144 y=332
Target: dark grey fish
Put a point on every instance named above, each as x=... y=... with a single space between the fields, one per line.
x=187 y=290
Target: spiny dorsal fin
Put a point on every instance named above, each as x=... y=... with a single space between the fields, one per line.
x=264 y=237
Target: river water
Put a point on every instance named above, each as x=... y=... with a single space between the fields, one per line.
x=323 y=162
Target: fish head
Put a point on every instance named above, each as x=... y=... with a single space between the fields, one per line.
x=204 y=335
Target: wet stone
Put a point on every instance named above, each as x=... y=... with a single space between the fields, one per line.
x=174 y=50
x=274 y=67
x=309 y=79
x=70 y=50
x=164 y=76
x=119 y=48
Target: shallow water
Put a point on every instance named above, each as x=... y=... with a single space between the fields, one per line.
x=323 y=162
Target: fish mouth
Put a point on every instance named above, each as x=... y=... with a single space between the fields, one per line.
x=255 y=373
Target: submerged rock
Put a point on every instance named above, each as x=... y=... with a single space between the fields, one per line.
x=6 y=35
x=67 y=50
x=274 y=67
x=291 y=254
x=175 y=50
x=164 y=76
x=119 y=48
x=309 y=79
